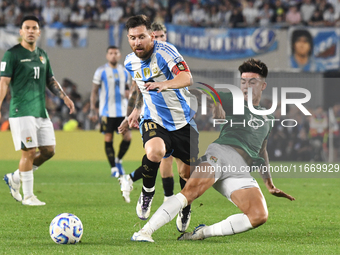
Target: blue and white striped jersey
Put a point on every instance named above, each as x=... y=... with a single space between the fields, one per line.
x=112 y=101
x=172 y=108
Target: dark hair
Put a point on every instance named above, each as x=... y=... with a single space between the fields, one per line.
x=297 y=34
x=157 y=26
x=112 y=47
x=254 y=66
x=139 y=20
x=30 y=17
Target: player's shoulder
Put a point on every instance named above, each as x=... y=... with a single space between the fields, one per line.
x=166 y=50
x=14 y=49
x=270 y=116
x=101 y=68
x=160 y=46
x=130 y=57
x=41 y=51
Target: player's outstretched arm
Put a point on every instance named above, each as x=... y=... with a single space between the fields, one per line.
x=54 y=86
x=4 y=83
x=266 y=176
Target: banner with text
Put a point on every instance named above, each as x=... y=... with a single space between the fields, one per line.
x=314 y=49
x=66 y=37
x=210 y=43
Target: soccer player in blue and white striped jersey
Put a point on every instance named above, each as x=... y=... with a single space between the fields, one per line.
x=111 y=81
x=162 y=77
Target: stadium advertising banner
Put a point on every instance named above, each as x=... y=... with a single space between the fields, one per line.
x=66 y=37
x=314 y=49
x=211 y=43
x=9 y=38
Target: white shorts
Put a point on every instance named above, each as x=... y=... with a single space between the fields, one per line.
x=231 y=170
x=31 y=132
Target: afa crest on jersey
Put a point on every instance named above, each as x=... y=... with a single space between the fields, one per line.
x=42 y=59
x=154 y=67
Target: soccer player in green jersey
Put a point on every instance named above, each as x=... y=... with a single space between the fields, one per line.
x=26 y=69
x=238 y=147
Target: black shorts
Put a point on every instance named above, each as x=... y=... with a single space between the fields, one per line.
x=183 y=143
x=109 y=125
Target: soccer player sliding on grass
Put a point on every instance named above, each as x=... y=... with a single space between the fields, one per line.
x=239 y=147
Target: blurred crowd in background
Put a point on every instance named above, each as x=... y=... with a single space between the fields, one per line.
x=204 y=13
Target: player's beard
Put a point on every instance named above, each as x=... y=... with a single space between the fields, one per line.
x=113 y=63
x=147 y=51
x=30 y=40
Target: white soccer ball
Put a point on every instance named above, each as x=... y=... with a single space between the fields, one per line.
x=66 y=228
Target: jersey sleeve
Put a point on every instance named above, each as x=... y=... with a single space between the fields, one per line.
x=170 y=55
x=97 y=77
x=49 y=72
x=7 y=64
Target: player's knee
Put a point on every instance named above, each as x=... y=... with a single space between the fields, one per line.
x=127 y=136
x=48 y=152
x=155 y=155
x=31 y=154
x=184 y=175
x=258 y=217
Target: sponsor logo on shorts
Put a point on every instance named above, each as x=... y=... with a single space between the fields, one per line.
x=28 y=139
x=152 y=133
x=214 y=159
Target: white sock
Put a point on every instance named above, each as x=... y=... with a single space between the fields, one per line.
x=16 y=176
x=165 y=213
x=27 y=183
x=234 y=224
x=149 y=189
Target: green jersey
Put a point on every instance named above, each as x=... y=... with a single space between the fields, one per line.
x=246 y=131
x=29 y=73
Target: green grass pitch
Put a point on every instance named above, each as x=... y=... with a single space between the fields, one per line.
x=309 y=225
